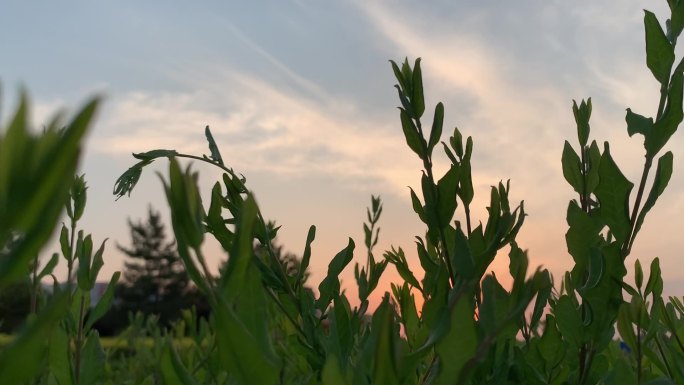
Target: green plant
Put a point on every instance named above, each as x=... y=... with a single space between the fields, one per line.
x=452 y=323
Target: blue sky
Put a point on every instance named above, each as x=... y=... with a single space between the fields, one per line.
x=299 y=97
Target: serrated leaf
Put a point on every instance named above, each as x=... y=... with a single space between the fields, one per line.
x=659 y=52
x=126 y=182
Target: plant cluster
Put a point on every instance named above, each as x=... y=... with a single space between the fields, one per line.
x=453 y=323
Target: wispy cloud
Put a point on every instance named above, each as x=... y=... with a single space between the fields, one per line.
x=259 y=127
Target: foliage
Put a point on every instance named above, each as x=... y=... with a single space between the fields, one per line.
x=454 y=322
x=154 y=281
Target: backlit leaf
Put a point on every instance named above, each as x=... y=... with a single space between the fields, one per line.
x=659 y=51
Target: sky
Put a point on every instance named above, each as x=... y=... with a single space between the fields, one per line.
x=299 y=96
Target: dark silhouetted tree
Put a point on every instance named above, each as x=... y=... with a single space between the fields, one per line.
x=154 y=279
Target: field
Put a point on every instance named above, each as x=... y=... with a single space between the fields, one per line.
x=447 y=321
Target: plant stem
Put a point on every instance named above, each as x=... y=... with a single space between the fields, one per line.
x=79 y=340
x=662 y=354
x=427 y=163
x=631 y=235
x=70 y=258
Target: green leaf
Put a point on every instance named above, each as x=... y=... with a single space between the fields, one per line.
x=572 y=168
x=677 y=22
x=465 y=183
x=582 y=235
x=672 y=116
x=215 y=154
x=518 y=263
x=659 y=52
x=613 y=195
x=33 y=193
x=172 y=369
x=384 y=363
x=459 y=345
x=413 y=138
x=545 y=286
x=240 y=351
x=64 y=243
x=306 y=257
x=332 y=375
x=330 y=286
x=21 y=360
x=569 y=321
x=655 y=280
x=84 y=261
x=551 y=346
x=462 y=257
x=49 y=267
x=582 y=114
x=637 y=124
x=638 y=274
x=92 y=359
x=417 y=206
x=417 y=98
x=149 y=156
x=187 y=214
x=400 y=77
x=398 y=259
x=594 y=161
x=595 y=269
x=447 y=188
x=104 y=303
x=126 y=182
x=58 y=357
x=625 y=327
x=97 y=264
x=437 y=125
x=660 y=182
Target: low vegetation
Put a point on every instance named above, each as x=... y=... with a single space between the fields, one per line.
x=450 y=323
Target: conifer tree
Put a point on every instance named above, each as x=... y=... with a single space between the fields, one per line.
x=155 y=281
